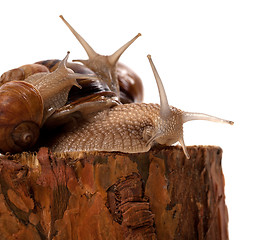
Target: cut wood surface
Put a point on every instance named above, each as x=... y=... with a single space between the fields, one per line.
x=109 y=195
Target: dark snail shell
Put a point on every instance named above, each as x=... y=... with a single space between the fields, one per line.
x=21 y=114
x=131 y=87
x=88 y=88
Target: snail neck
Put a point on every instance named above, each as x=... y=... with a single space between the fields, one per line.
x=104 y=70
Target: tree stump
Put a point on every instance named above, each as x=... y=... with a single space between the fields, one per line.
x=109 y=195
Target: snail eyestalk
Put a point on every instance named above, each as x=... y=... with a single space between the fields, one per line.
x=113 y=59
x=181 y=141
x=165 y=109
x=90 y=52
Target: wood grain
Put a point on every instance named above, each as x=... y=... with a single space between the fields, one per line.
x=109 y=195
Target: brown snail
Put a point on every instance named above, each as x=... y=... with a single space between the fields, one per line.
x=131 y=127
x=26 y=105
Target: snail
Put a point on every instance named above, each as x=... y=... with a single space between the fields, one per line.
x=27 y=105
x=72 y=107
x=131 y=128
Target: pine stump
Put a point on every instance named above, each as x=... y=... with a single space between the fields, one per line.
x=109 y=195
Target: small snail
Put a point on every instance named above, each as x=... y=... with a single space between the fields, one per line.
x=131 y=127
x=26 y=105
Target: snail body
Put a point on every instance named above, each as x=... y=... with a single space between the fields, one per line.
x=125 y=128
x=131 y=127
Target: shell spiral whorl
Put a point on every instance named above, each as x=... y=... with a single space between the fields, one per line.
x=21 y=114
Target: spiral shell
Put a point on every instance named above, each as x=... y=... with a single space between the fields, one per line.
x=21 y=114
x=22 y=72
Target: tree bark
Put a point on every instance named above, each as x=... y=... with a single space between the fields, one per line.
x=109 y=195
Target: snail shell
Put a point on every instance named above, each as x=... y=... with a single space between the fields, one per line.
x=21 y=114
x=130 y=84
x=26 y=105
x=22 y=72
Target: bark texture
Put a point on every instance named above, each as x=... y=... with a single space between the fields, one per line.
x=109 y=195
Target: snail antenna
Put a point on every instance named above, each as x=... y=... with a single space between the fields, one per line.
x=89 y=50
x=181 y=141
x=190 y=116
x=164 y=106
x=115 y=56
x=63 y=62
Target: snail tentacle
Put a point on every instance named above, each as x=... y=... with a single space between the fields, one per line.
x=191 y=116
x=185 y=150
x=165 y=109
x=113 y=59
x=89 y=50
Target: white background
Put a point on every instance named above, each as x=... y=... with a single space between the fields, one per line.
x=216 y=57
